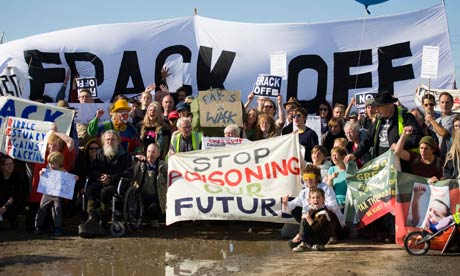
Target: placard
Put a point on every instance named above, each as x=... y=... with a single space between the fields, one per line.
x=88 y=84
x=219 y=142
x=278 y=61
x=430 y=60
x=267 y=85
x=360 y=101
x=219 y=108
x=57 y=183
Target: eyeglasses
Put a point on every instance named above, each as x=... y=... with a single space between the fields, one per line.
x=298 y=116
x=268 y=106
x=93 y=148
x=429 y=104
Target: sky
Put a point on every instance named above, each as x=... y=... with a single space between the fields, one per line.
x=22 y=18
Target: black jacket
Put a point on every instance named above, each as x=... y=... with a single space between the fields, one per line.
x=119 y=166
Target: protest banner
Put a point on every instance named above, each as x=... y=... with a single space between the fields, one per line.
x=89 y=84
x=423 y=89
x=219 y=108
x=371 y=190
x=57 y=183
x=360 y=100
x=218 y=142
x=234 y=183
x=22 y=108
x=203 y=53
x=267 y=85
x=25 y=139
x=446 y=191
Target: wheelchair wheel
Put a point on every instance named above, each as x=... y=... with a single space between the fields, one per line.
x=133 y=209
x=413 y=245
x=117 y=229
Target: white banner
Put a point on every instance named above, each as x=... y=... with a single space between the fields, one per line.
x=57 y=183
x=21 y=108
x=322 y=59
x=25 y=139
x=234 y=183
x=423 y=89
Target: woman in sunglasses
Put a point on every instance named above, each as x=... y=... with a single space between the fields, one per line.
x=325 y=112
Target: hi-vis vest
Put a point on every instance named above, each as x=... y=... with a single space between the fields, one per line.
x=400 y=128
x=196 y=140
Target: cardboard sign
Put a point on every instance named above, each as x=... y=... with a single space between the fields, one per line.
x=88 y=84
x=360 y=101
x=57 y=183
x=267 y=85
x=219 y=108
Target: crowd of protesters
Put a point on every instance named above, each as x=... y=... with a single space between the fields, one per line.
x=159 y=123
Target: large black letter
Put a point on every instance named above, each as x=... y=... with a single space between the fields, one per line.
x=129 y=68
x=72 y=58
x=165 y=53
x=300 y=63
x=343 y=81
x=208 y=79
x=41 y=76
x=388 y=74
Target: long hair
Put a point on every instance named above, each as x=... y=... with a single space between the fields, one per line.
x=156 y=121
x=454 y=151
x=272 y=131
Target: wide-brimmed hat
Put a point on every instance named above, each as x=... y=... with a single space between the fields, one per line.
x=384 y=98
x=292 y=101
x=121 y=105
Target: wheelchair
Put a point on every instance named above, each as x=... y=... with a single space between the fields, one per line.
x=127 y=207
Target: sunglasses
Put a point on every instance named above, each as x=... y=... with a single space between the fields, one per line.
x=93 y=148
x=429 y=104
x=298 y=116
x=268 y=106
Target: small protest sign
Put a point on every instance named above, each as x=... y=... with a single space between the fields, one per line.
x=89 y=84
x=218 y=142
x=278 y=64
x=57 y=183
x=267 y=85
x=360 y=101
x=219 y=108
x=430 y=60
x=25 y=139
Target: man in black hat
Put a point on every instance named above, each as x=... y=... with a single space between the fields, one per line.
x=385 y=131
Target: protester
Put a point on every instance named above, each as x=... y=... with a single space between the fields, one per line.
x=155 y=130
x=10 y=186
x=354 y=137
x=251 y=124
x=451 y=168
x=318 y=157
x=111 y=164
x=370 y=114
x=266 y=127
x=185 y=139
x=232 y=130
x=151 y=178
x=269 y=108
x=307 y=137
x=337 y=176
x=443 y=125
x=325 y=112
x=130 y=140
x=168 y=105
x=335 y=131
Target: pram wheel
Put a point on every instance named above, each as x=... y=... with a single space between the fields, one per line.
x=117 y=229
x=414 y=245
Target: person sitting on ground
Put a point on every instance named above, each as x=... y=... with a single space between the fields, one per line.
x=318 y=224
x=151 y=177
x=299 y=205
x=111 y=164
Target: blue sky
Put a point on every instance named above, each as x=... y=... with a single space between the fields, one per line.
x=22 y=18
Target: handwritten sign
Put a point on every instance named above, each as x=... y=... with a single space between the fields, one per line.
x=219 y=108
x=430 y=60
x=25 y=139
x=278 y=61
x=57 y=183
x=89 y=84
x=267 y=85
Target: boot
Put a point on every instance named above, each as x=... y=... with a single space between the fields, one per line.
x=91 y=227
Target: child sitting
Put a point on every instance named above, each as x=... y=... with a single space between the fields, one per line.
x=317 y=225
x=56 y=162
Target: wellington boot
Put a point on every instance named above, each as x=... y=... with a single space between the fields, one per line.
x=90 y=228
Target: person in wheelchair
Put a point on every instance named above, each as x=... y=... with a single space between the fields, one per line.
x=151 y=178
x=105 y=172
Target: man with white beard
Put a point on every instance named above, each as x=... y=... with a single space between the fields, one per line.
x=111 y=164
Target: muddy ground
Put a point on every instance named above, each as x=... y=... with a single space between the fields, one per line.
x=202 y=248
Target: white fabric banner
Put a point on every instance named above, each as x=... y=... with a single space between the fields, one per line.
x=323 y=60
x=218 y=142
x=234 y=183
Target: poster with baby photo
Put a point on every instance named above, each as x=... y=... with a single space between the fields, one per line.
x=428 y=205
